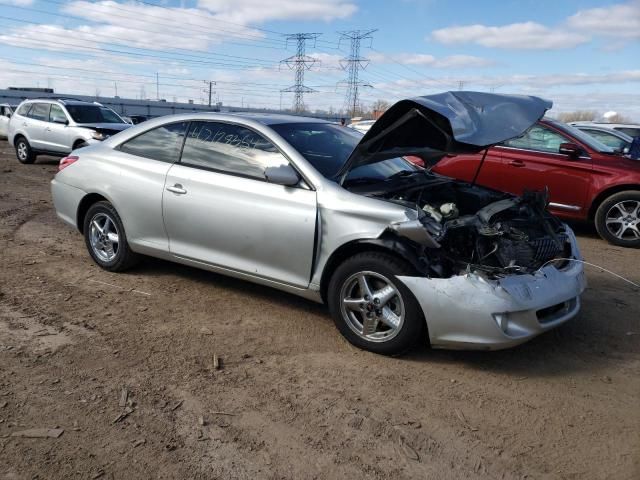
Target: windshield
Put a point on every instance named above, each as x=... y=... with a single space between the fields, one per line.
x=582 y=137
x=92 y=114
x=327 y=147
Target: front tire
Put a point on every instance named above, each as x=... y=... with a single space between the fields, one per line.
x=372 y=308
x=618 y=219
x=106 y=239
x=24 y=152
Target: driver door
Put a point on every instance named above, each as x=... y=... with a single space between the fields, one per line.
x=219 y=209
x=57 y=132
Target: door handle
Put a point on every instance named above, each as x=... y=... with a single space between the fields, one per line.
x=25 y=124
x=47 y=129
x=177 y=188
x=516 y=163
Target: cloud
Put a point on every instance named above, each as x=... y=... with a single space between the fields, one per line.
x=425 y=60
x=526 y=35
x=20 y=3
x=621 y=20
x=260 y=11
x=541 y=83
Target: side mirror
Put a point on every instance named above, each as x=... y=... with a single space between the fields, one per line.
x=60 y=120
x=571 y=150
x=282 y=175
x=9 y=115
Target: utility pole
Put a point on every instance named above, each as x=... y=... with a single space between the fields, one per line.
x=461 y=85
x=300 y=62
x=157 y=86
x=352 y=64
x=115 y=86
x=211 y=84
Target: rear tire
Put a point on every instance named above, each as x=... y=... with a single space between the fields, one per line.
x=379 y=314
x=618 y=219
x=24 y=152
x=106 y=239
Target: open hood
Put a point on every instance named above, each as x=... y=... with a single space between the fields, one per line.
x=447 y=123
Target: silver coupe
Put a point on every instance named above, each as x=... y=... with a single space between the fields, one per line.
x=399 y=254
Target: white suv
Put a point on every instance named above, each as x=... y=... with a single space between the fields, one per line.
x=58 y=126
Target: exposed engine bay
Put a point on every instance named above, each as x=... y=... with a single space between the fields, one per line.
x=462 y=228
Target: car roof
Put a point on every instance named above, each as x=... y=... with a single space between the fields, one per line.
x=605 y=124
x=600 y=128
x=275 y=118
x=63 y=101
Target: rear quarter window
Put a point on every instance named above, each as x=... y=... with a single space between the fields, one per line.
x=161 y=143
x=24 y=109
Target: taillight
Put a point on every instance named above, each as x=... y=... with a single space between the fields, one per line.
x=66 y=161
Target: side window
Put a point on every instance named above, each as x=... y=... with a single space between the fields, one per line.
x=57 y=115
x=230 y=149
x=608 y=139
x=539 y=139
x=40 y=111
x=24 y=109
x=161 y=143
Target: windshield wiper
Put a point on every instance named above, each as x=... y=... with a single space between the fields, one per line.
x=403 y=173
x=362 y=180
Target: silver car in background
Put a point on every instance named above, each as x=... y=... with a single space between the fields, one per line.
x=53 y=126
x=6 y=111
x=400 y=255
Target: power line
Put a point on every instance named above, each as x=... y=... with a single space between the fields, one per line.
x=352 y=64
x=300 y=62
x=204 y=29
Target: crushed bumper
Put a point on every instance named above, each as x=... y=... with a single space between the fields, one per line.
x=473 y=312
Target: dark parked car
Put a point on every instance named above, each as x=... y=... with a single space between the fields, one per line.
x=587 y=180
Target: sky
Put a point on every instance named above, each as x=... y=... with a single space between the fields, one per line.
x=582 y=55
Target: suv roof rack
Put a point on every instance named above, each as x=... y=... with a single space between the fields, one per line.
x=60 y=99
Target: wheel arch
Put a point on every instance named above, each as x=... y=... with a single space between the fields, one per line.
x=18 y=136
x=387 y=243
x=603 y=195
x=77 y=142
x=84 y=205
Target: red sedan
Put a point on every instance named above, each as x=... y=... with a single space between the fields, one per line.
x=586 y=179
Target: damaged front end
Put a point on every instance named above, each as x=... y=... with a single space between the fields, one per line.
x=461 y=228
x=496 y=271
x=493 y=270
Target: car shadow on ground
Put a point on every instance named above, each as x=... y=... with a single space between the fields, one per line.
x=558 y=352
x=158 y=268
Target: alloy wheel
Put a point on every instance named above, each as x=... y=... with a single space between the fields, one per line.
x=104 y=237
x=23 y=152
x=372 y=306
x=623 y=220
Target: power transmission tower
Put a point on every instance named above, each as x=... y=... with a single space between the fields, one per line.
x=300 y=62
x=353 y=64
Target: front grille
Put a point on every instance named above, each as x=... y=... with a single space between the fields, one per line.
x=546 y=248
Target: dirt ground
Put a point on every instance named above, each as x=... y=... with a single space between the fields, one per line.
x=292 y=400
